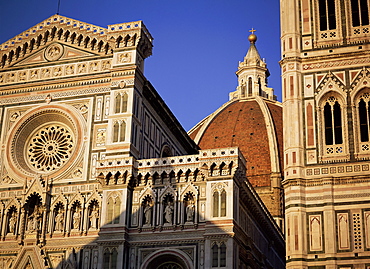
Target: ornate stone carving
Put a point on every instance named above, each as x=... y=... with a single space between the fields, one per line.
x=94 y=217
x=124 y=58
x=148 y=208
x=54 y=52
x=76 y=219
x=50 y=147
x=168 y=212
x=59 y=221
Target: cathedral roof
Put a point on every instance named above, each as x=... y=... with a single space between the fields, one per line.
x=255 y=126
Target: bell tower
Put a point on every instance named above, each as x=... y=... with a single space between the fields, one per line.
x=325 y=81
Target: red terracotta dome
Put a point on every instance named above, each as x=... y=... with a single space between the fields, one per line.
x=255 y=126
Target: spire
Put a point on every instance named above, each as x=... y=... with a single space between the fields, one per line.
x=253 y=57
x=252 y=74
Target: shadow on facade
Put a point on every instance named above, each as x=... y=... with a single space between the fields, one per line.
x=198 y=214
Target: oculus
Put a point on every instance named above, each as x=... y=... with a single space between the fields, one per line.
x=47 y=140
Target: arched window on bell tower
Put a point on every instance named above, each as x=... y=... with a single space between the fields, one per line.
x=327 y=15
x=333 y=122
x=360 y=12
x=362 y=122
x=363 y=114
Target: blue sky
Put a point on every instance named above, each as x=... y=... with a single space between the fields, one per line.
x=197 y=44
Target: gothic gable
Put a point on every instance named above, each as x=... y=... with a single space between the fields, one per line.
x=79 y=39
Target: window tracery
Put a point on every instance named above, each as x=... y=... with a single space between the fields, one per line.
x=219 y=254
x=110 y=258
x=333 y=132
x=50 y=147
x=114 y=210
x=362 y=122
x=121 y=103
x=119 y=131
x=219 y=203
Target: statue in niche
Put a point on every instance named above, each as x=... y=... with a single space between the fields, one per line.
x=168 y=212
x=148 y=208
x=34 y=219
x=12 y=222
x=76 y=219
x=190 y=211
x=94 y=216
x=59 y=221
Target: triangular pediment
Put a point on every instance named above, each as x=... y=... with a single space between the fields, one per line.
x=55 y=51
x=80 y=39
x=76 y=39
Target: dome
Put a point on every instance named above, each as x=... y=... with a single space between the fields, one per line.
x=252 y=124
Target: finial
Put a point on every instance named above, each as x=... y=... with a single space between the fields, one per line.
x=252 y=38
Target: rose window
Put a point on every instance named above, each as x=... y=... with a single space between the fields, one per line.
x=50 y=147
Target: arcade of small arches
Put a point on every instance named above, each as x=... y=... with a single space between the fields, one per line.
x=107 y=177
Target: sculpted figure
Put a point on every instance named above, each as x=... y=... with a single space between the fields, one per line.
x=190 y=211
x=168 y=213
x=93 y=218
x=148 y=213
x=12 y=222
x=59 y=221
x=76 y=219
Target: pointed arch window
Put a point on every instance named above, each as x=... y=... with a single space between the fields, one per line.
x=333 y=122
x=364 y=115
x=363 y=119
x=360 y=12
x=215 y=204
x=219 y=255
x=327 y=15
x=110 y=259
x=219 y=204
x=114 y=210
x=121 y=103
x=119 y=131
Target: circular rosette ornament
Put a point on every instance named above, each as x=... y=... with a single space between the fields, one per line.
x=50 y=147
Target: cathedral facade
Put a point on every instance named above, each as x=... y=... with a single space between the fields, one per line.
x=326 y=77
x=96 y=172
